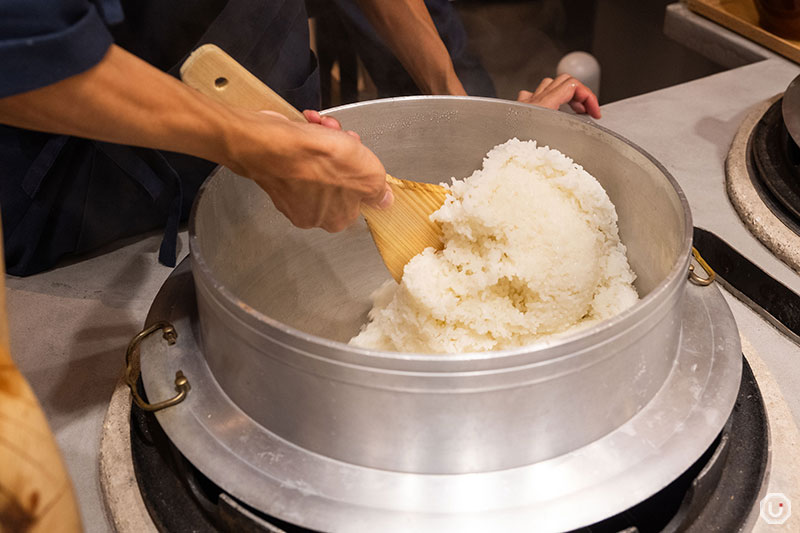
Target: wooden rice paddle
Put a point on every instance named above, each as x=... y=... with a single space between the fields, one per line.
x=400 y=232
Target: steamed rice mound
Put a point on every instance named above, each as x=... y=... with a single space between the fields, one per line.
x=531 y=250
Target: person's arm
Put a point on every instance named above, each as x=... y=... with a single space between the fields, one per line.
x=316 y=176
x=408 y=30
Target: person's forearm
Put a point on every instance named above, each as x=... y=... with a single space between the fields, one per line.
x=124 y=100
x=316 y=174
x=409 y=31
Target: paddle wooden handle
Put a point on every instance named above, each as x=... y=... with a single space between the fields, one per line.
x=400 y=232
x=36 y=494
x=217 y=75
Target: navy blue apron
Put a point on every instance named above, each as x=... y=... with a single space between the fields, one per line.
x=64 y=195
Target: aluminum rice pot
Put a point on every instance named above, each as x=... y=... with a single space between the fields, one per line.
x=277 y=305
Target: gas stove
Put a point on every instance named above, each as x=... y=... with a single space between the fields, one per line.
x=715 y=494
x=733 y=465
x=761 y=180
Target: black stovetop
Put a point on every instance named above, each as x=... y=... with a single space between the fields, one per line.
x=774 y=166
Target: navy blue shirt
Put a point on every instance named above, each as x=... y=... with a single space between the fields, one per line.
x=45 y=41
x=62 y=195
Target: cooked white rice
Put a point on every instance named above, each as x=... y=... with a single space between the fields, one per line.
x=531 y=249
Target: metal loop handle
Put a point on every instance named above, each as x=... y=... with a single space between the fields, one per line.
x=710 y=274
x=132 y=368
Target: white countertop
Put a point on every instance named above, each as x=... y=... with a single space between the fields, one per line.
x=70 y=326
x=689 y=129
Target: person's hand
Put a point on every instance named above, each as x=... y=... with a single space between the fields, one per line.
x=552 y=93
x=314 y=117
x=316 y=174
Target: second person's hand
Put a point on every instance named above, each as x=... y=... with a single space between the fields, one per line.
x=553 y=93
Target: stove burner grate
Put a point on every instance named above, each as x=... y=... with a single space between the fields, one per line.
x=716 y=494
x=775 y=166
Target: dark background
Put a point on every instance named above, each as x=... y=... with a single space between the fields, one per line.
x=520 y=42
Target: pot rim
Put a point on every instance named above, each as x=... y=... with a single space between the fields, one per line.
x=558 y=343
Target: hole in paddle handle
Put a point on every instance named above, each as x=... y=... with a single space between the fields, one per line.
x=220 y=83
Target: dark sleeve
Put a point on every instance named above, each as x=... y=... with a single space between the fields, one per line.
x=45 y=41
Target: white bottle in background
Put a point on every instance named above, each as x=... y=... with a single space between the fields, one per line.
x=582 y=66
